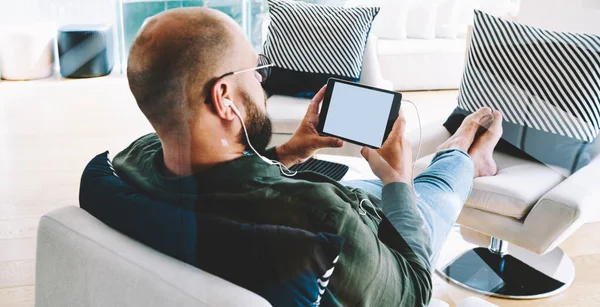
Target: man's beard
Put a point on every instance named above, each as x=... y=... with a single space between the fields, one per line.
x=258 y=124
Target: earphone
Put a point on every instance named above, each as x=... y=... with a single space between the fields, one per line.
x=284 y=170
x=228 y=103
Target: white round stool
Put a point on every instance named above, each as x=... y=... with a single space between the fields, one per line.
x=27 y=51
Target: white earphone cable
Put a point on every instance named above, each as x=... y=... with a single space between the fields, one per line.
x=284 y=170
x=420 y=142
x=362 y=211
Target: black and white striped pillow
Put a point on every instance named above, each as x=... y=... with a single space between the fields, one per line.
x=323 y=282
x=309 y=43
x=545 y=80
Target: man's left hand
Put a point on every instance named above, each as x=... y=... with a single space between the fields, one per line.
x=306 y=140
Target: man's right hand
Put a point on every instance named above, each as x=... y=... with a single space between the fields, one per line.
x=393 y=161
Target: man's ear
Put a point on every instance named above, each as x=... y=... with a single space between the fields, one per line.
x=220 y=94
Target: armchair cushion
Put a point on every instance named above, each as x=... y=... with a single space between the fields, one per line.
x=555 y=216
x=538 y=226
x=517 y=187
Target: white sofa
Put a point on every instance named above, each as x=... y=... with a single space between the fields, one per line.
x=422 y=43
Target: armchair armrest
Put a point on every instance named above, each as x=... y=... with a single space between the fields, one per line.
x=562 y=210
x=371 y=72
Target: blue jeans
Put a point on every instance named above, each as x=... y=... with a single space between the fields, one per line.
x=441 y=190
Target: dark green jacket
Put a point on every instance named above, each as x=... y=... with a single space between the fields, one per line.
x=377 y=266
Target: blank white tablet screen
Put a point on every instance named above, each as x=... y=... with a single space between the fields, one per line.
x=358 y=114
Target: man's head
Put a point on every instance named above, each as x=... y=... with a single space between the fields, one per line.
x=173 y=69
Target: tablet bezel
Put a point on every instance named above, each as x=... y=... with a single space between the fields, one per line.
x=394 y=110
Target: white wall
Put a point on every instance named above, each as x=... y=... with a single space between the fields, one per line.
x=62 y=12
x=59 y=11
x=581 y=16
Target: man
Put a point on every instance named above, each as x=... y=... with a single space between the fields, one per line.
x=174 y=73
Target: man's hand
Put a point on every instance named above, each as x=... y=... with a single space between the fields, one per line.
x=393 y=161
x=306 y=140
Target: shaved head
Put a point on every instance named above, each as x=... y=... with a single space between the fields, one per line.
x=172 y=60
x=175 y=67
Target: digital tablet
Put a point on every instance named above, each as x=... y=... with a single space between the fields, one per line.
x=357 y=113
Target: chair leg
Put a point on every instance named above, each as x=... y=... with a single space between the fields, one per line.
x=510 y=272
x=498 y=246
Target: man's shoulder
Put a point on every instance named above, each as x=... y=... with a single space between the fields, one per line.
x=142 y=148
x=135 y=163
x=148 y=142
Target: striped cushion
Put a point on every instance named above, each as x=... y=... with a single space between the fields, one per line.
x=540 y=79
x=317 y=39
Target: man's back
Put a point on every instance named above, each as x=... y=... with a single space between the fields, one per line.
x=376 y=267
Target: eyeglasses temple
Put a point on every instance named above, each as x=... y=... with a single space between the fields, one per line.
x=251 y=69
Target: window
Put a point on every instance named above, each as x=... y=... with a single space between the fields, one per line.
x=127 y=16
x=251 y=15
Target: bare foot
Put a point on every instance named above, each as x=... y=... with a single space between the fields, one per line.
x=483 y=147
x=465 y=135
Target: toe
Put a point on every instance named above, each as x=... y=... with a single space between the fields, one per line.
x=486 y=110
x=477 y=116
x=486 y=121
x=482 y=112
x=496 y=126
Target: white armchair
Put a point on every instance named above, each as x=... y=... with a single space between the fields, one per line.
x=527 y=204
x=531 y=205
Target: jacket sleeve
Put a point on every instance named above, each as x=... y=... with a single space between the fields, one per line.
x=373 y=273
x=271 y=154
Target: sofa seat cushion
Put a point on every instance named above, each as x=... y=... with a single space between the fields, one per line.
x=286 y=112
x=518 y=185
